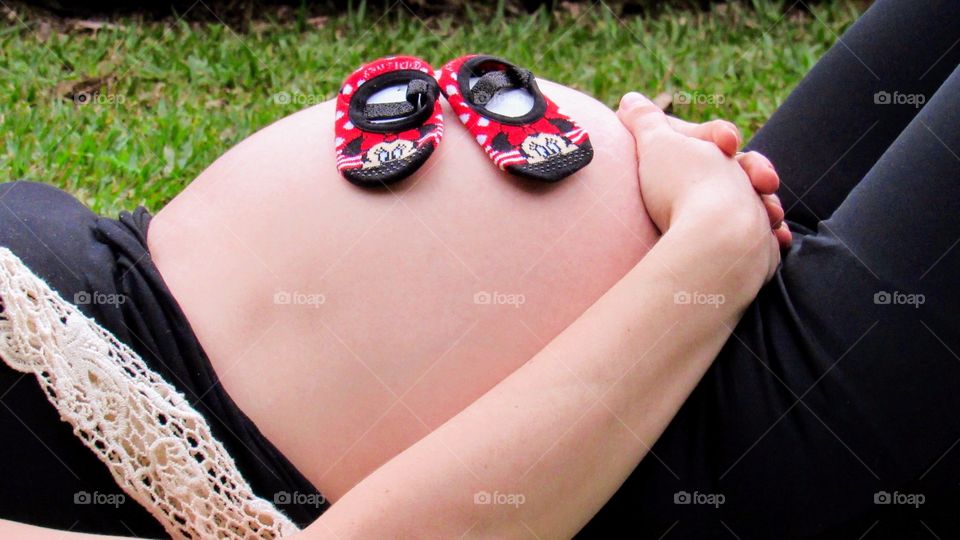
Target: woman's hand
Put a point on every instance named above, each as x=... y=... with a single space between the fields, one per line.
x=763 y=175
x=685 y=176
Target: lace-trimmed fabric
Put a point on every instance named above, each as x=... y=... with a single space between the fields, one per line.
x=159 y=450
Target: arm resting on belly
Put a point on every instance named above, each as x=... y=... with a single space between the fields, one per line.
x=552 y=442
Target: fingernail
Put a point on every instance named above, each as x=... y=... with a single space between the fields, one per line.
x=733 y=132
x=778 y=224
x=630 y=99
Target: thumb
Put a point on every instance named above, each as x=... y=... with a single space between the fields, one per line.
x=642 y=117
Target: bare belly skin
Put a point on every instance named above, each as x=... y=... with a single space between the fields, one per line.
x=347 y=324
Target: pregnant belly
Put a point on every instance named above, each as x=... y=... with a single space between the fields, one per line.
x=347 y=323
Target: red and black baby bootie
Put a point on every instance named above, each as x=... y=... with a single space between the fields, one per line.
x=521 y=130
x=388 y=120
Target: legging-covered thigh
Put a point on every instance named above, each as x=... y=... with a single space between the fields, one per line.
x=832 y=410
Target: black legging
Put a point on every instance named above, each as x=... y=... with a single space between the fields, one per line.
x=834 y=410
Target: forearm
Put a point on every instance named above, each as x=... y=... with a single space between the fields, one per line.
x=564 y=431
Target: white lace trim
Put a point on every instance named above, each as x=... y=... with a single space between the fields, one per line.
x=157 y=447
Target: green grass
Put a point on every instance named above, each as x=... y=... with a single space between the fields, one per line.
x=183 y=93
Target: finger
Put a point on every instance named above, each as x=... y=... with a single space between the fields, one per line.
x=761 y=172
x=642 y=117
x=783 y=235
x=774 y=209
x=720 y=132
x=776 y=248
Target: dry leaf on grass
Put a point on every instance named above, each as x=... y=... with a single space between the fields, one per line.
x=664 y=100
x=82 y=25
x=44 y=30
x=83 y=91
x=318 y=22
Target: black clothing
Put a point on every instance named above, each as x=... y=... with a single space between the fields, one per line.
x=833 y=410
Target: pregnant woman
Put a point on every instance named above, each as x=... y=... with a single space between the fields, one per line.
x=330 y=335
